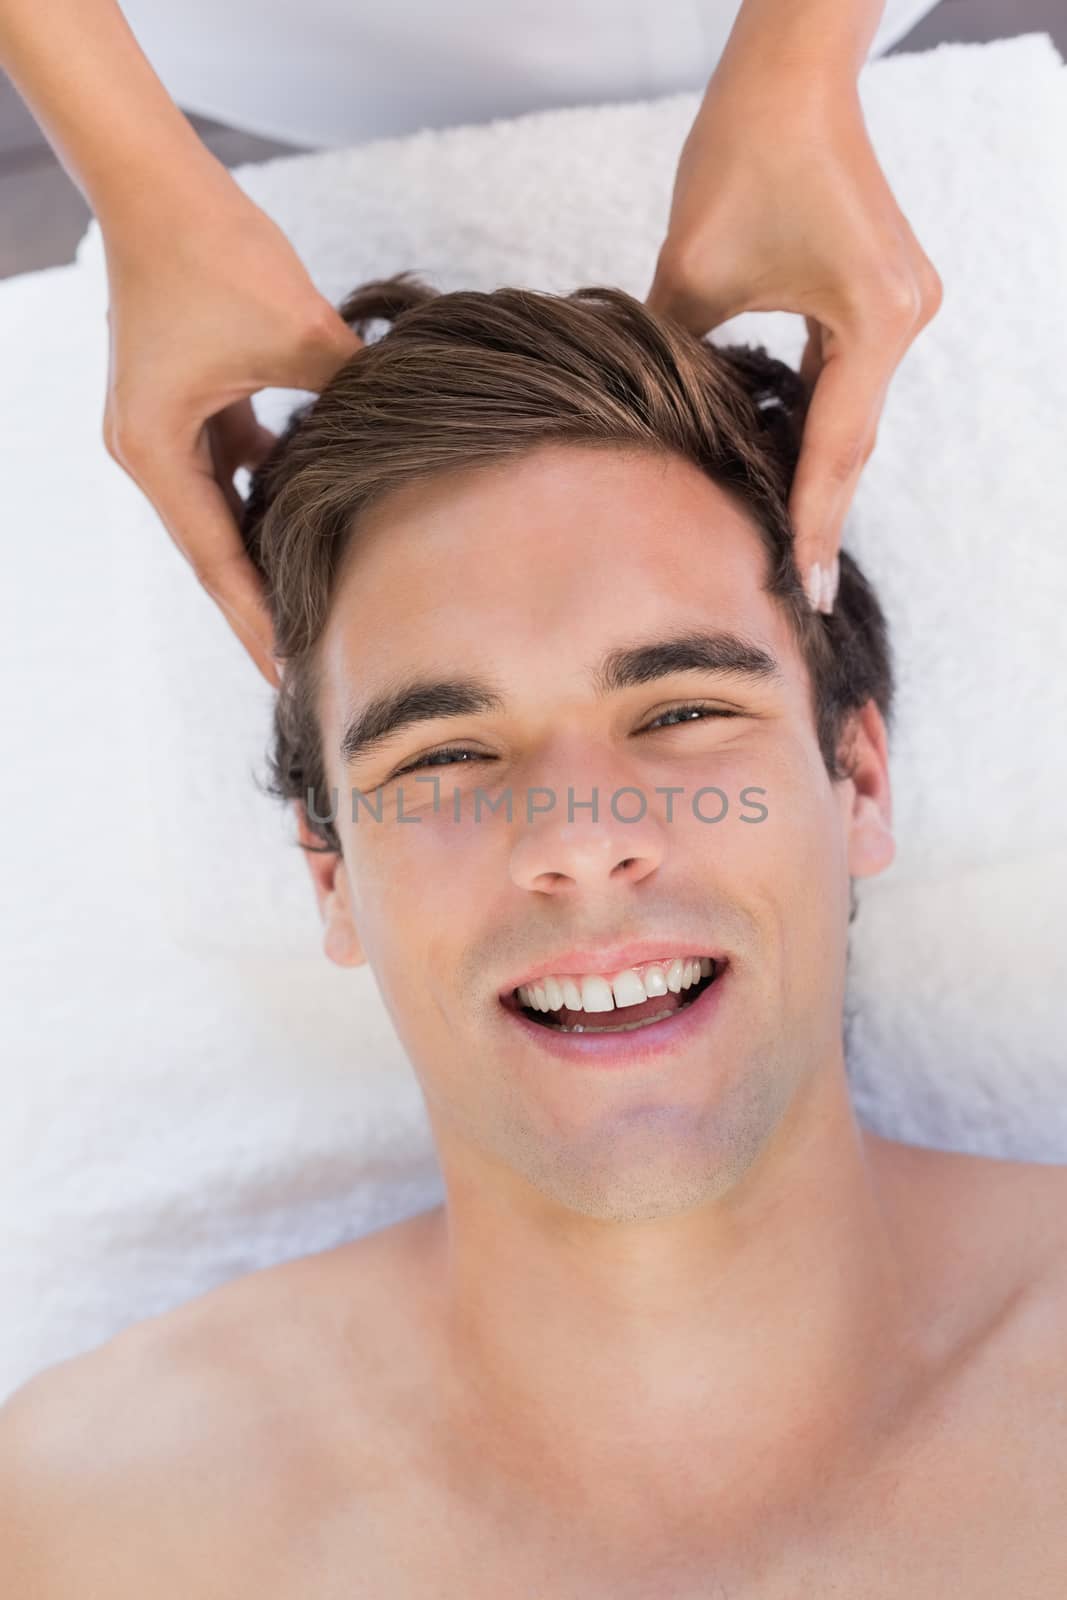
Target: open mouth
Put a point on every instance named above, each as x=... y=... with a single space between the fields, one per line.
x=623 y=1019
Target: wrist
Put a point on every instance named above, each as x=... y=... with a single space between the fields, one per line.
x=176 y=177
x=790 y=88
x=802 y=45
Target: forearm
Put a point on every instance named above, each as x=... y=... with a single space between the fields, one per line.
x=803 y=41
x=100 y=104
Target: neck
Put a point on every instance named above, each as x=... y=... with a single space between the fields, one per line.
x=745 y=1339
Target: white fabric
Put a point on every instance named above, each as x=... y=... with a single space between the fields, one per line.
x=192 y=1090
x=335 y=72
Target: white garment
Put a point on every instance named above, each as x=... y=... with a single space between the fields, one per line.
x=338 y=72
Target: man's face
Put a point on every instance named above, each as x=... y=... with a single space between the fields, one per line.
x=528 y=575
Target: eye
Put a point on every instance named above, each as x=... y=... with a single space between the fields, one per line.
x=434 y=756
x=437 y=757
x=690 y=706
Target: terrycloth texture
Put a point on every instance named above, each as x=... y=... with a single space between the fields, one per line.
x=192 y=1089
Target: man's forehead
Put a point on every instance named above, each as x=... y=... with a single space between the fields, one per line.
x=625 y=492
x=441 y=609
x=561 y=518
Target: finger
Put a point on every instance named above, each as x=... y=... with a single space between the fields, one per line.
x=250 y=623
x=212 y=447
x=233 y=438
x=239 y=437
x=698 y=309
x=200 y=520
x=839 y=434
x=328 y=344
x=811 y=360
x=258 y=448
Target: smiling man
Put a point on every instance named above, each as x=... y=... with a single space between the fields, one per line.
x=587 y=783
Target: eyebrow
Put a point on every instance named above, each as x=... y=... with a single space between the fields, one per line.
x=625 y=667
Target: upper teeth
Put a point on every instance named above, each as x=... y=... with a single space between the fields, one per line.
x=631 y=987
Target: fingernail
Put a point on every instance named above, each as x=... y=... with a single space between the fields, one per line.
x=813 y=585
x=829 y=588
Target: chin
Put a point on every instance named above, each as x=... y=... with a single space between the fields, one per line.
x=658 y=1160
x=645 y=1168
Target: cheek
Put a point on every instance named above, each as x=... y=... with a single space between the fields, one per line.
x=420 y=889
x=806 y=852
x=423 y=844
x=780 y=852
x=780 y=817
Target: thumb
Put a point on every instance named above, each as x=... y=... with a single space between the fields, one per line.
x=324 y=351
x=674 y=296
x=840 y=431
x=238 y=438
x=200 y=514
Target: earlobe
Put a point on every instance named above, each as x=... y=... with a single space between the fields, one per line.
x=871 y=845
x=340 y=939
x=330 y=882
x=341 y=942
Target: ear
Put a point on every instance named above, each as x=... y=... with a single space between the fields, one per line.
x=866 y=795
x=330 y=882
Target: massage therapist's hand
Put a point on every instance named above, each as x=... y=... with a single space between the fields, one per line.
x=208 y=303
x=779 y=204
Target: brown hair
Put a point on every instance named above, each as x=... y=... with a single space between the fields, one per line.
x=472 y=378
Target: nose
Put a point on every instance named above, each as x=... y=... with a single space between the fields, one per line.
x=571 y=848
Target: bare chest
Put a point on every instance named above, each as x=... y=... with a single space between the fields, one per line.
x=971 y=1504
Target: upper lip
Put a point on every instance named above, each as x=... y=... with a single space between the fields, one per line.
x=609 y=959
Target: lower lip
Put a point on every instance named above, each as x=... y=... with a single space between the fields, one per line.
x=628 y=1049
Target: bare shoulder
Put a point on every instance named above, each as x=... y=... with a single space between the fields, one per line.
x=115 y=1466
x=1032 y=1200
x=996 y=1230
x=171 y=1459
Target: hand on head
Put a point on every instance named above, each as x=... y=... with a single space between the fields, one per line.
x=795 y=214
x=200 y=319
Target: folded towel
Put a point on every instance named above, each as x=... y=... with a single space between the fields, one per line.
x=192 y=1090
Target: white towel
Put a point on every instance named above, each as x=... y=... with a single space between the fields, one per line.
x=192 y=1089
